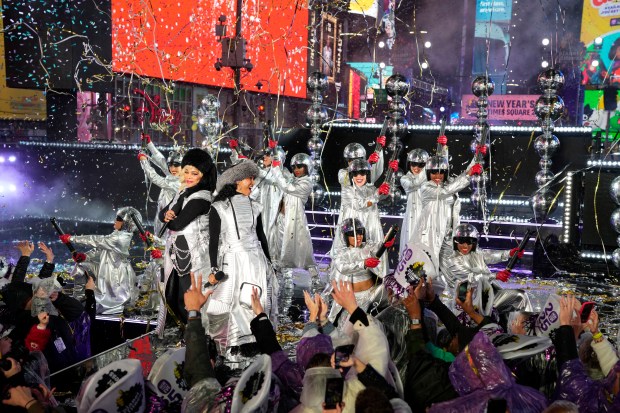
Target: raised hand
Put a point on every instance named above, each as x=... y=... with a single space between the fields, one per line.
x=343 y=295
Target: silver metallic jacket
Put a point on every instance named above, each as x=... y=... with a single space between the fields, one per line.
x=109 y=260
x=196 y=234
x=269 y=195
x=168 y=183
x=296 y=245
x=440 y=212
x=411 y=183
x=376 y=170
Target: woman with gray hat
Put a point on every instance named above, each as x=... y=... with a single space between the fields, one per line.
x=240 y=257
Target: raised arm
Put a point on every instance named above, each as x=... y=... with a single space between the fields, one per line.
x=412 y=182
x=300 y=188
x=158 y=158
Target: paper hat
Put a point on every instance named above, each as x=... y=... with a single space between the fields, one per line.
x=252 y=390
x=167 y=376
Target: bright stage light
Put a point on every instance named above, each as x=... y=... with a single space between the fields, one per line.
x=1 y=159
x=12 y=158
x=427 y=44
x=545 y=42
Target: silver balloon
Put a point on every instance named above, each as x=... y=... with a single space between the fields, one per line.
x=543 y=204
x=482 y=102
x=614 y=190
x=397 y=127
x=545 y=163
x=483 y=112
x=316 y=114
x=615 y=257
x=316 y=164
x=482 y=86
x=543 y=177
x=397 y=85
x=615 y=219
x=397 y=195
x=398 y=174
x=397 y=106
x=315 y=178
x=317 y=194
x=546 y=146
x=480 y=126
x=552 y=107
x=315 y=144
x=317 y=81
x=550 y=79
x=209 y=127
x=210 y=103
x=475 y=180
x=618 y=240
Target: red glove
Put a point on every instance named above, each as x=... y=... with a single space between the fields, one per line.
x=79 y=257
x=155 y=254
x=515 y=250
x=65 y=238
x=275 y=164
x=384 y=188
x=476 y=169
x=142 y=157
x=390 y=243
x=481 y=149
x=145 y=236
x=145 y=137
x=242 y=156
x=374 y=158
x=503 y=275
x=443 y=140
x=272 y=143
x=371 y=262
x=381 y=140
x=233 y=143
x=393 y=165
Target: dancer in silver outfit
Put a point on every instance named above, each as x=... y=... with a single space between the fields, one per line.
x=412 y=182
x=466 y=263
x=187 y=243
x=109 y=261
x=169 y=183
x=355 y=151
x=356 y=263
x=240 y=256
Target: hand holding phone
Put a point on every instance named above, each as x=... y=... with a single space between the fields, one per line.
x=462 y=291
x=333 y=392
x=342 y=353
x=586 y=309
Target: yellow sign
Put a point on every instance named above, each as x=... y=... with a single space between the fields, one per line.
x=599 y=18
x=23 y=104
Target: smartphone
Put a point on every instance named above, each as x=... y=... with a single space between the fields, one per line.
x=462 y=291
x=586 y=309
x=333 y=392
x=342 y=353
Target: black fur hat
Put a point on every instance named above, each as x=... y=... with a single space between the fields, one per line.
x=202 y=161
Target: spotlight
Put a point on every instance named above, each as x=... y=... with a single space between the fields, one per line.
x=12 y=188
x=12 y=158
x=598 y=41
x=545 y=42
x=381 y=44
x=594 y=63
x=382 y=65
x=424 y=65
x=427 y=44
x=1 y=159
x=442 y=109
x=544 y=64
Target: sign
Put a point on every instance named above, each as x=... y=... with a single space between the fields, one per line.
x=502 y=107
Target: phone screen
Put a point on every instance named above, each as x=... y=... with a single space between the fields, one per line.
x=333 y=392
x=462 y=291
x=342 y=353
x=586 y=309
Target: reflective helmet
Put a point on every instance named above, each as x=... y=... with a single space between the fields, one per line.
x=302 y=159
x=437 y=163
x=278 y=152
x=359 y=166
x=350 y=228
x=175 y=157
x=417 y=155
x=354 y=151
x=124 y=214
x=466 y=233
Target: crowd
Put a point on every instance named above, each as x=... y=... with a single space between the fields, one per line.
x=412 y=340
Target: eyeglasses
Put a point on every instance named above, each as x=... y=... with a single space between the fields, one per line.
x=417 y=164
x=299 y=166
x=436 y=171
x=356 y=173
x=464 y=240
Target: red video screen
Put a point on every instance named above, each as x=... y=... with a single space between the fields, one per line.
x=175 y=40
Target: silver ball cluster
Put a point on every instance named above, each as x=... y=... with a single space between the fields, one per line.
x=482 y=87
x=316 y=116
x=614 y=191
x=208 y=121
x=548 y=108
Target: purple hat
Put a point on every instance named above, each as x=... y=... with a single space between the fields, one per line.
x=309 y=346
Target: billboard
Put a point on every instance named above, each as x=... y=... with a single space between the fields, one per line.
x=176 y=40
x=502 y=107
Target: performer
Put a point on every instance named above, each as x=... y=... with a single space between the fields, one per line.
x=355 y=151
x=466 y=263
x=109 y=261
x=359 y=200
x=238 y=249
x=411 y=183
x=169 y=183
x=355 y=262
x=187 y=243
x=440 y=205
x=294 y=242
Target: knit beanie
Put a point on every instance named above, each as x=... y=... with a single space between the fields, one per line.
x=37 y=338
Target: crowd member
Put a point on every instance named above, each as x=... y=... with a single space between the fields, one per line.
x=169 y=183
x=238 y=250
x=294 y=243
x=187 y=243
x=412 y=182
x=356 y=263
x=355 y=151
x=109 y=262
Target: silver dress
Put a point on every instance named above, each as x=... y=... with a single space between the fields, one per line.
x=440 y=213
x=457 y=267
x=348 y=265
x=269 y=195
x=109 y=261
x=241 y=258
x=295 y=243
x=411 y=183
x=168 y=183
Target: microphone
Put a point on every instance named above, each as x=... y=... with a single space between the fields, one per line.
x=219 y=276
x=391 y=234
x=176 y=212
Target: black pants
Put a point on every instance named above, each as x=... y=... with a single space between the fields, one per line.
x=177 y=285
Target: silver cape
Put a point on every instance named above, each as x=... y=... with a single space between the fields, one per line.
x=411 y=184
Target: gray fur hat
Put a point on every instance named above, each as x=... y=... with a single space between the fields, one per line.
x=238 y=172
